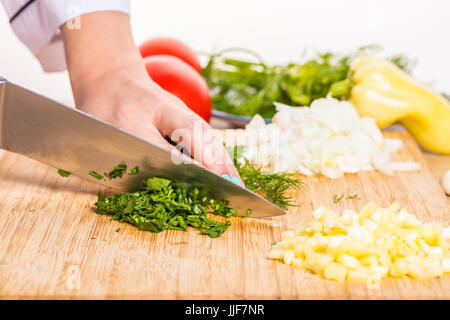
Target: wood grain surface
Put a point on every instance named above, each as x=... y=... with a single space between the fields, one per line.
x=53 y=245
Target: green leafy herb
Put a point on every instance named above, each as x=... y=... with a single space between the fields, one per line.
x=247 y=88
x=118 y=229
x=163 y=205
x=95 y=175
x=117 y=172
x=134 y=171
x=272 y=186
x=337 y=199
x=63 y=173
x=403 y=62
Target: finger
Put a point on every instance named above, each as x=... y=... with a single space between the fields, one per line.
x=152 y=134
x=203 y=143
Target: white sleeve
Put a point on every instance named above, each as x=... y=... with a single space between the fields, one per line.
x=36 y=23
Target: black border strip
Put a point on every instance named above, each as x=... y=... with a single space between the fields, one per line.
x=15 y=15
x=229 y=310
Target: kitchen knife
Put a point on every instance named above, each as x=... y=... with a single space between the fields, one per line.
x=68 y=139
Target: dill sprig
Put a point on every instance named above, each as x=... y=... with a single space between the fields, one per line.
x=272 y=186
x=337 y=199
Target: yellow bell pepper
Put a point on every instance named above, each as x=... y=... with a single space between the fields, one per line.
x=383 y=91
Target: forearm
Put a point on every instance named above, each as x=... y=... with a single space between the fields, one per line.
x=103 y=45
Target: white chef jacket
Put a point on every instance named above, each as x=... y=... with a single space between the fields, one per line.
x=36 y=23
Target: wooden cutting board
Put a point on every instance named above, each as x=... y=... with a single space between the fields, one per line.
x=53 y=245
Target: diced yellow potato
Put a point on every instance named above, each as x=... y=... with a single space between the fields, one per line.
x=335 y=271
x=402 y=250
x=299 y=250
x=373 y=280
x=323 y=261
x=361 y=274
x=394 y=207
x=367 y=210
x=377 y=243
x=369 y=225
x=368 y=261
x=399 y=268
x=432 y=267
x=277 y=254
x=317 y=262
x=437 y=252
x=446 y=265
x=379 y=271
x=410 y=222
x=387 y=217
x=348 y=261
x=426 y=232
x=297 y=262
x=385 y=242
x=416 y=271
x=313 y=227
x=331 y=219
x=319 y=212
x=288 y=243
x=309 y=252
x=349 y=218
x=289 y=256
x=385 y=260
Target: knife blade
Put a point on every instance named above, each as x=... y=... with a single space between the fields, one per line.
x=69 y=139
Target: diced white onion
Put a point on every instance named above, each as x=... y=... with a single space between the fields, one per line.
x=327 y=138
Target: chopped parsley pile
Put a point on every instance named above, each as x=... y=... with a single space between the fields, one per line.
x=165 y=204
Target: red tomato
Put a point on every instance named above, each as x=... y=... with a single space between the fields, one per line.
x=170 y=47
x=180 y=79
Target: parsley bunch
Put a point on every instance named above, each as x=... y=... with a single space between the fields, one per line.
x=247 y=88
x=163 y=205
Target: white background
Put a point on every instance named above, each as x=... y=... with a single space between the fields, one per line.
x=278 y=29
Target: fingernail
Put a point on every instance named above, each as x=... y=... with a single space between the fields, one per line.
x=236 y=181
x=226 y=176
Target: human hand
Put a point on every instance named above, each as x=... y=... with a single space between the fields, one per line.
x=109 y=81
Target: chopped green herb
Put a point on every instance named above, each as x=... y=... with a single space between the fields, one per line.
x=272 y=186
x=163 y=205
x=337 y=199
x=355 y=196
x=117 y=172
x=95 y=175
x=134 y=171
x=118 y=229
x=63 y=173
